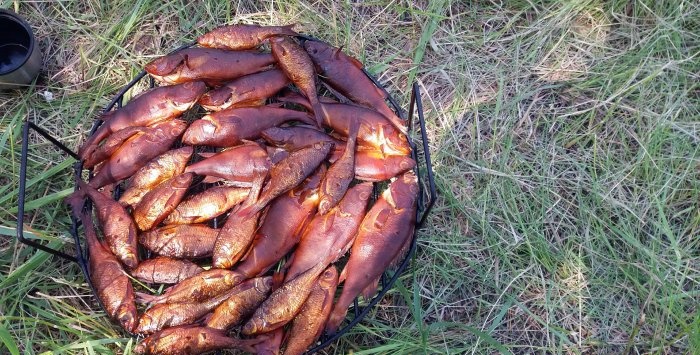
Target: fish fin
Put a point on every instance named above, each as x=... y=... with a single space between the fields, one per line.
x=337 y=51
x=356 y=62
x=371 y=289
x=292 y=97
x=277 y=280
x=402 y=252
x=212 y=179
x=275 y=104
x=343 y=274
x=146 y=298
x=318 y=114
x=289 y=29
x=206 y=154
x=327 y=100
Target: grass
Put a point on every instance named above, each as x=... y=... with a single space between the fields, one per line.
x=565 y=139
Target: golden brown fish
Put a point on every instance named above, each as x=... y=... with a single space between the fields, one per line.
x=197 y=288
x=243 y=302
x=299 y=68
x=207 y=64
x=283 y=304
x=238 y=232
x=329 y=236
x=237 y=164
x=157 y=204
x=295 y=137
x=340 y=175
x=206 y=205
x=240 y=36
x=375 y=130
x=229 y=127
x=137 y=151
x=110 y=145
x=281 y=229
x=344 y=73
x=308 y=325
x=153 y=106
x=118 y=228
x=385 y=231
x=173 y=314
x=159 y=169
x=181 y=241
x=372 y=165
x=289 y=173
x=190 y=340
x=111 y=283
x=250 y=88
x=165 y=270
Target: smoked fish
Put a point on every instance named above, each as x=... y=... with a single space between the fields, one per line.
x=241 y=36
x=159 y=169
x=157 y=204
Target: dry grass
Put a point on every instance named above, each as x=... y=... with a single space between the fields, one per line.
x=564 y=137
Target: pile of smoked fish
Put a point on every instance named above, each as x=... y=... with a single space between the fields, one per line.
x=240 y=212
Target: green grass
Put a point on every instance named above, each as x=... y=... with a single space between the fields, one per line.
x=565 y=139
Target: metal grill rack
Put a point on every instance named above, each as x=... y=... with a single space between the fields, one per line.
x=427 y=196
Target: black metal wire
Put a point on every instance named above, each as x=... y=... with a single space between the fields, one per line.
x=359 y=312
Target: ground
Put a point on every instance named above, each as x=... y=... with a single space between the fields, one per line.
x=565 y=146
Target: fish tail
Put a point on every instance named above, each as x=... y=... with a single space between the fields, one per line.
x=146 y=298
x=289 y=29
x=336 y=317
x=318 y=113
x=371 y=289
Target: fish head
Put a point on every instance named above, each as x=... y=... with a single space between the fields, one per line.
x=402 y=192
x=200 y=130
x=126 y=315
x=329 y=277
x=278 y=136
x=183 y=181
x=356 y=198
x=253 y=326
x=166 y=64
x=219 y=99
x=187 y=94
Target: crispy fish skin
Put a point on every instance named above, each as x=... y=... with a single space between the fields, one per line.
x=137 y=151
x=297 y=65
x=153 y=106
x=344 y=73
x=110 y=145
x=237 y=165
x=290 y=172
x=165 y=270
x=159 y=169
x=308 y=325
x=329 y=236
x=206 y=205
x=296 y=137
x=159 y=202
x=384 y=233
x=282 y=226
x=181 y=241
x=189 y=340
x=283 y=304
x=375 y=130
x=229 y=127
x=111 y=283
x=242 y=303
x=249 y=88
x=238 y=37
x=340 y=175
x=198 y=288
x=207 y=64
x=118 y=228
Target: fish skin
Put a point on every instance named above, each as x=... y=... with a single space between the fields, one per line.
x=157 y=204
x=270 y=343
x=207 y=64
x=340 y=175
x=344 y=74
x=118 y=228
x=328 y=237
x=111 y=283
x=372 y=165
x=189 y=340
x=110 y=145
x=206 y=205
x=229 y=127
x=165 y=270
x=170 y=102
x=237 y=165
x=138 y=151
x=191 y=241
x=375 y=130
x=308 y=325
x=241 y=36
x=159 y=169
x=242 y=303
x=249 y=88
x=283 y=304
x=295 y=137
x=238 y=232
x=382 y=236
x=282 y=226
x=297 y=65
x=197 y=288
x=289 y=173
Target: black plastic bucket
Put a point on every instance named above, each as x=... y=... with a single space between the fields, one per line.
x=20 y=57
